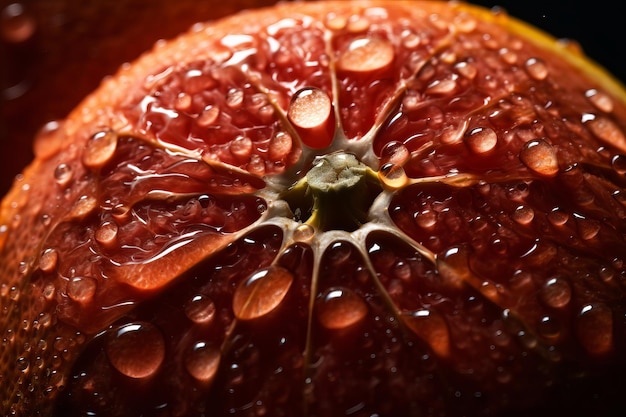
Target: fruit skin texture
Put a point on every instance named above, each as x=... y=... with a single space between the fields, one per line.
x=147 y=254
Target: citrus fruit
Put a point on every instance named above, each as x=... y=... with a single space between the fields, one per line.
x=325 y=209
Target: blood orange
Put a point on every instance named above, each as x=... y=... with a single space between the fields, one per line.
x=326 y=209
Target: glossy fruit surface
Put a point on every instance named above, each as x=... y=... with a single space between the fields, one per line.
x=326 y=209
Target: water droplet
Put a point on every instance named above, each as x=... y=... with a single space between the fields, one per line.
x=262 y=292
x=606 y=130
x=549 y=327
x=234 y=98
x=200 y=309
x=523 y=215
x=402 y=270
x=588 y=228
x=208 y=117
x=556 y=293
x=48 y=261
x=48 y=140
x=410 y=39
x=23 y=365
x=100 y=148
x=366 y=54
x=339 y=308
x=83 y=207
x=310 y=110
x=339 y=252
x=536 y=68
x=203 y=361
x=392 y=175
x=426 y=218
x=106 y=234
x=182 y=102
x=280 y=146
x=594 y=327
x=467 y=70
x=334 y=21
x=445 y=86
x=431 y=327
x=16 y=26
x=395 y=153
x=600 y=100
x=303 y=233
x=81 y=289
x=540 y=157
x=136 y=349
x=558 y=217
x=508 y=56
x=241 y=147
x=618 y=162
x=358 y=23
x=63 y=174
x=481 y=140
x=465 y=22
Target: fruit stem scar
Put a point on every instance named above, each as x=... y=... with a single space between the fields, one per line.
x=335 y=193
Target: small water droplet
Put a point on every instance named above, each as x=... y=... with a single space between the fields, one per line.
x=48 y=140
x=540 y=157
x=23 y=365
x=303 y=233
x=523 y=215
x=426 y=218
x=606 y=130
x=208 y=117
x=366 y=54
x=100 y=148
x=63 y=174
x=241 y=147
x=445 y=86
x=395 y=153
x=16 y=25
x=339 y=308
x=234 y=98
x=618 y=162
x=106 y=234
x=431 y=327
x=558 y=217
x=81 y=289
x=465 y=22
x=594 y=327
x=481 y=140
x=536 y=68
x=262 y=292
x=410 y=39
x=508 y=56
x=466 y=69
x=556 y=293
x=183 y=102
x=588 y=228
x=83 y=207
x=280 y=146
x=334 y=21
x=600 y=100
x=392 y=175
x=358 y=23
x=48 y=261
x=136 y=349
x=549 y=327
x=200 y=309
x=203 y=361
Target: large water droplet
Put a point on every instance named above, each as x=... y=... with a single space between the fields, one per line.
x=523 y=215
x=203 y=361
x=63 y=174
x=310 y=111
x=540 y=157
x=618 y=162
x=594 y=327
x=431 y=327
x=106 y=234
x=200 y=309
x=208 y=117
x=136 y=349
x=303 y=233
x=100 y=148
x=339 y=308
x=366 y=54
x=48 y=261
x=607 y=130
x=16 y=25
x=262 y=292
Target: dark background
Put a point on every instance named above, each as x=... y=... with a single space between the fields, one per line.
x=63 y=48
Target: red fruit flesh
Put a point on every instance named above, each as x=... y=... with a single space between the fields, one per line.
x=394 y=209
